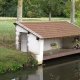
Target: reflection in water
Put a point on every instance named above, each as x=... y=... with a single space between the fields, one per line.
x=65 y=71
x=35 y=76
x=67 y=68
x=24 y=77
x=77 y=69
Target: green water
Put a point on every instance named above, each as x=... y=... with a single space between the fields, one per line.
x=65 y=68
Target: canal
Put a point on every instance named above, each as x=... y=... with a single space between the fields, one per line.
x=64 y=68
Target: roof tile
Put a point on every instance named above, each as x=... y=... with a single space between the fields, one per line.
x=53 y=29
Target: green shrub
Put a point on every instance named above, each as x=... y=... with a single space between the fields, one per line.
x=12 y=65
x=3 y=68
x=30 y=14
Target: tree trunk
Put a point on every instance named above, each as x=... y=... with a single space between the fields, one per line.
x=19 y=10
x=72 y=11
x=49 y=16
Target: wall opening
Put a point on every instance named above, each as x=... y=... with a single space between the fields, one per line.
x=24 y=41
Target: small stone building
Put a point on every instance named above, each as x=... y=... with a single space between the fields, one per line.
x=47 y=40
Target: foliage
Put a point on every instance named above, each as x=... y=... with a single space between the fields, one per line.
x=76 y=43
x=53 y=6
x=77 y=12
x=53 y=44
x=31 y=8
x=30 y=14
x=11 y=60
x=67 y=8
x=8 y=7
x=39 y=8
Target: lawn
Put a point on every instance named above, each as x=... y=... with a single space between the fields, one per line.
x=7 y=33
x=10 y=58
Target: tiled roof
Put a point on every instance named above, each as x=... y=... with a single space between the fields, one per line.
x=53 y=29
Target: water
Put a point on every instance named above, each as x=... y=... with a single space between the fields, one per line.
x=65 y=68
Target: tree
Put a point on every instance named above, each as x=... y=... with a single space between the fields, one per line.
x=51 y=7
x=72 y=11
x=8 y=8
x=77 y=8
x=67 y=9
x=31 y=8
x=19 y=10
x=38 y=8
x=47 y=6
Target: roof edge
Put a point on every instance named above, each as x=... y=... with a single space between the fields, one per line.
x=25 y=27
x=74 y=24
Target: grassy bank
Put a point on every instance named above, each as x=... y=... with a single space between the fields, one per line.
x=10 y=58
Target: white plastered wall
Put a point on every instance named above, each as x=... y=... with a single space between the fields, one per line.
x=18 y=30
x=36 y=46
x=40 y=56
x=47 y=43
x=33 y=44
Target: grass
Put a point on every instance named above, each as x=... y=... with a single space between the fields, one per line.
x=7 y=33
x=10 y=58
x=77 y=22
